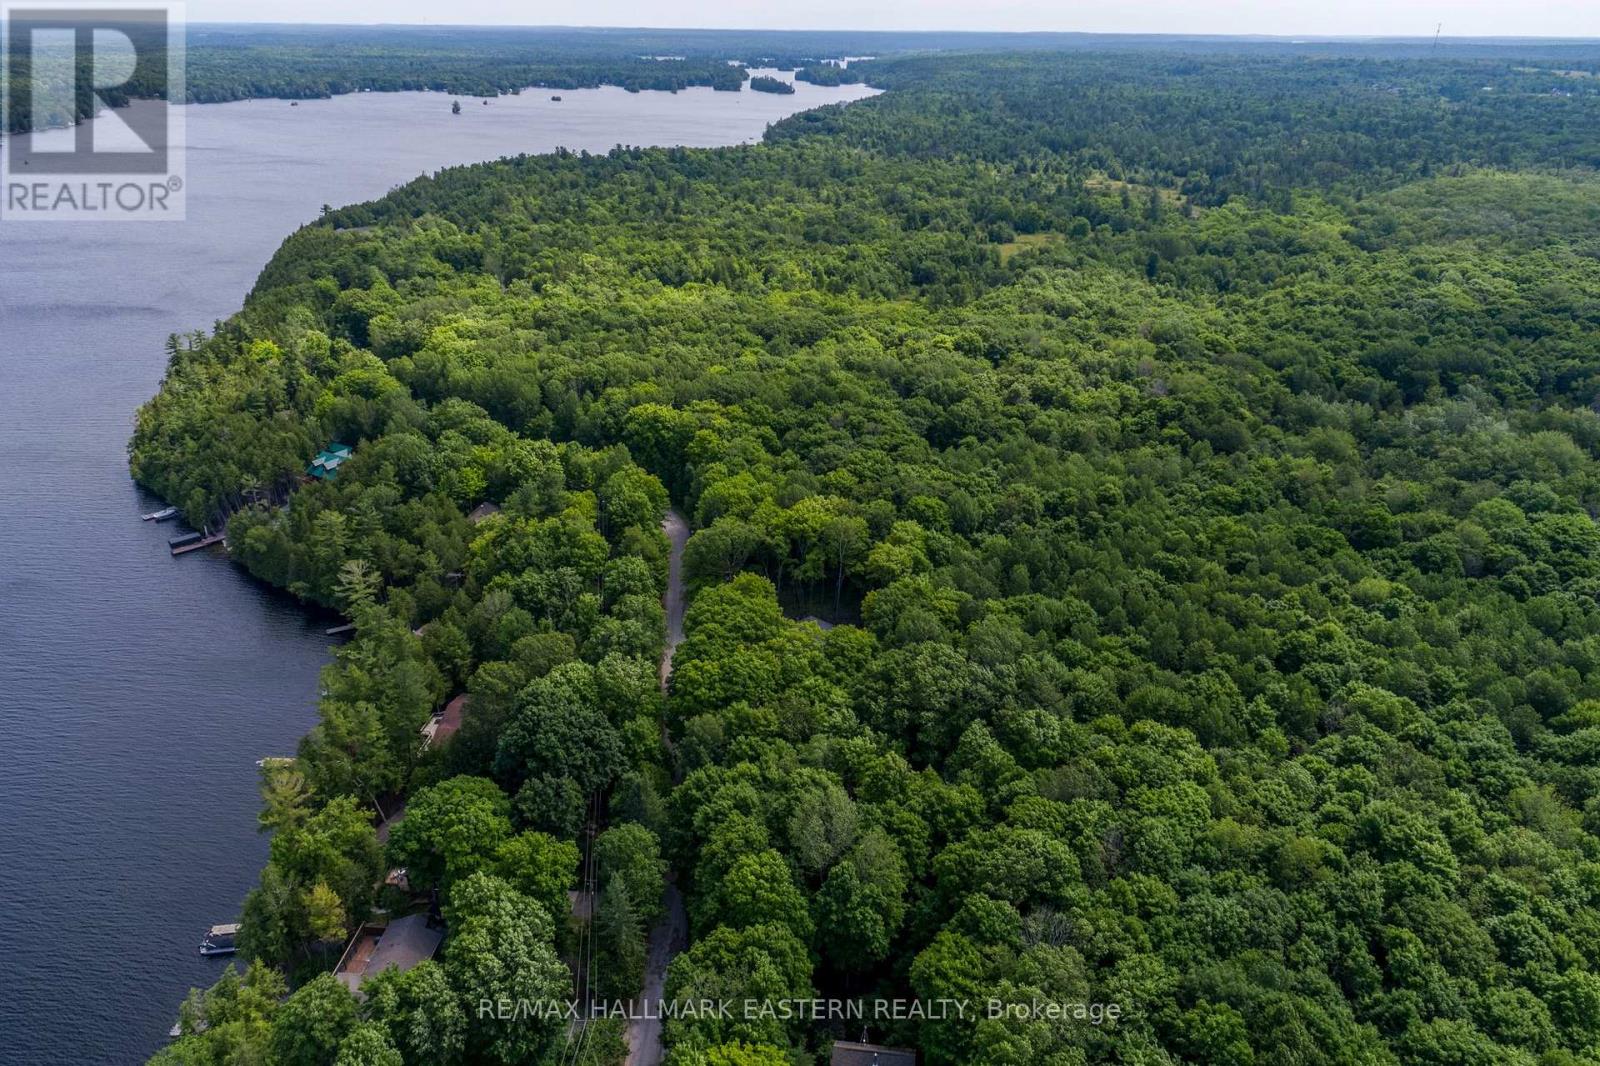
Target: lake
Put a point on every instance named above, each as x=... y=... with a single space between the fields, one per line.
x=138 y=690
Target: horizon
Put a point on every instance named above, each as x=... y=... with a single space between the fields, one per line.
x=1293 y=19
x=1317 y=38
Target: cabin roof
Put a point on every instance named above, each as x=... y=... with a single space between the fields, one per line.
x=450 y=720
x=401 y=944
x=482 y=511
x=442 y=726
x=328 y=460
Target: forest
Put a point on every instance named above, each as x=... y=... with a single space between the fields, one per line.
x=1143 y=553
x=225 y=62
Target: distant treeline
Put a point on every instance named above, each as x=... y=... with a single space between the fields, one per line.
x=61 y=82
x=1215 y=127
x=828 y=74
x=301 y=73
x=304 y=62
x=231 y=63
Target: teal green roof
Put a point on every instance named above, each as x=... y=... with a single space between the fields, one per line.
x=326 y=464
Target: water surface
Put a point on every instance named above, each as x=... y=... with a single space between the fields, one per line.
x=137 y=690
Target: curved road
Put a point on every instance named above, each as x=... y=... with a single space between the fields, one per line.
x=672 y=934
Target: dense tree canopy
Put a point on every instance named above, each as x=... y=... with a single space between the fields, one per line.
x=1191 y=462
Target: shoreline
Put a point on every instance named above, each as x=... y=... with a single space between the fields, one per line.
x=196 y=672
x=366 y=91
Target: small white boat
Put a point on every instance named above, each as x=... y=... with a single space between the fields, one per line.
x=220 y=940
x=161 y=515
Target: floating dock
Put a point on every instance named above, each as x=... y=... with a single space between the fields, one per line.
x=221 y=940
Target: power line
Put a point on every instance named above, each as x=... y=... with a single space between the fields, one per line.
x=594 y=903
x=584 y=933
x=586 y=949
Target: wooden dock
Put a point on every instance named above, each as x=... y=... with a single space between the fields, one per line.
x=204 y=542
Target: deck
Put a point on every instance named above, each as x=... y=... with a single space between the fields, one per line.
x=401 y=944
x=204 y=542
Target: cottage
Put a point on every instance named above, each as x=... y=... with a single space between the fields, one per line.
x=442 y=726
x=327 y=462
x=401 y=944
x=482 y=511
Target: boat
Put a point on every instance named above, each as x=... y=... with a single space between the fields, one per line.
x=220 y=940
x=182 y=539
x=161 y=515
x=557 y=99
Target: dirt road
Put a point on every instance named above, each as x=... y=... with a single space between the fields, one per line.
x=677 y=531
x=672 y=934
x=666 y=940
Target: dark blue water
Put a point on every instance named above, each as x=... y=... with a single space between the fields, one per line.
x=137 y=690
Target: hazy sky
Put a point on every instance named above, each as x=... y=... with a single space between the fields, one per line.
x=1461 y=18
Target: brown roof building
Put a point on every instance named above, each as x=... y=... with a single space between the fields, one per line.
x=401 y=944
x=442 y=726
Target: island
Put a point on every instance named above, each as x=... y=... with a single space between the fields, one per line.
x=763 y=83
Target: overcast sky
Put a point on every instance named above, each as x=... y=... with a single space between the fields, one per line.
x=1461 y=18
